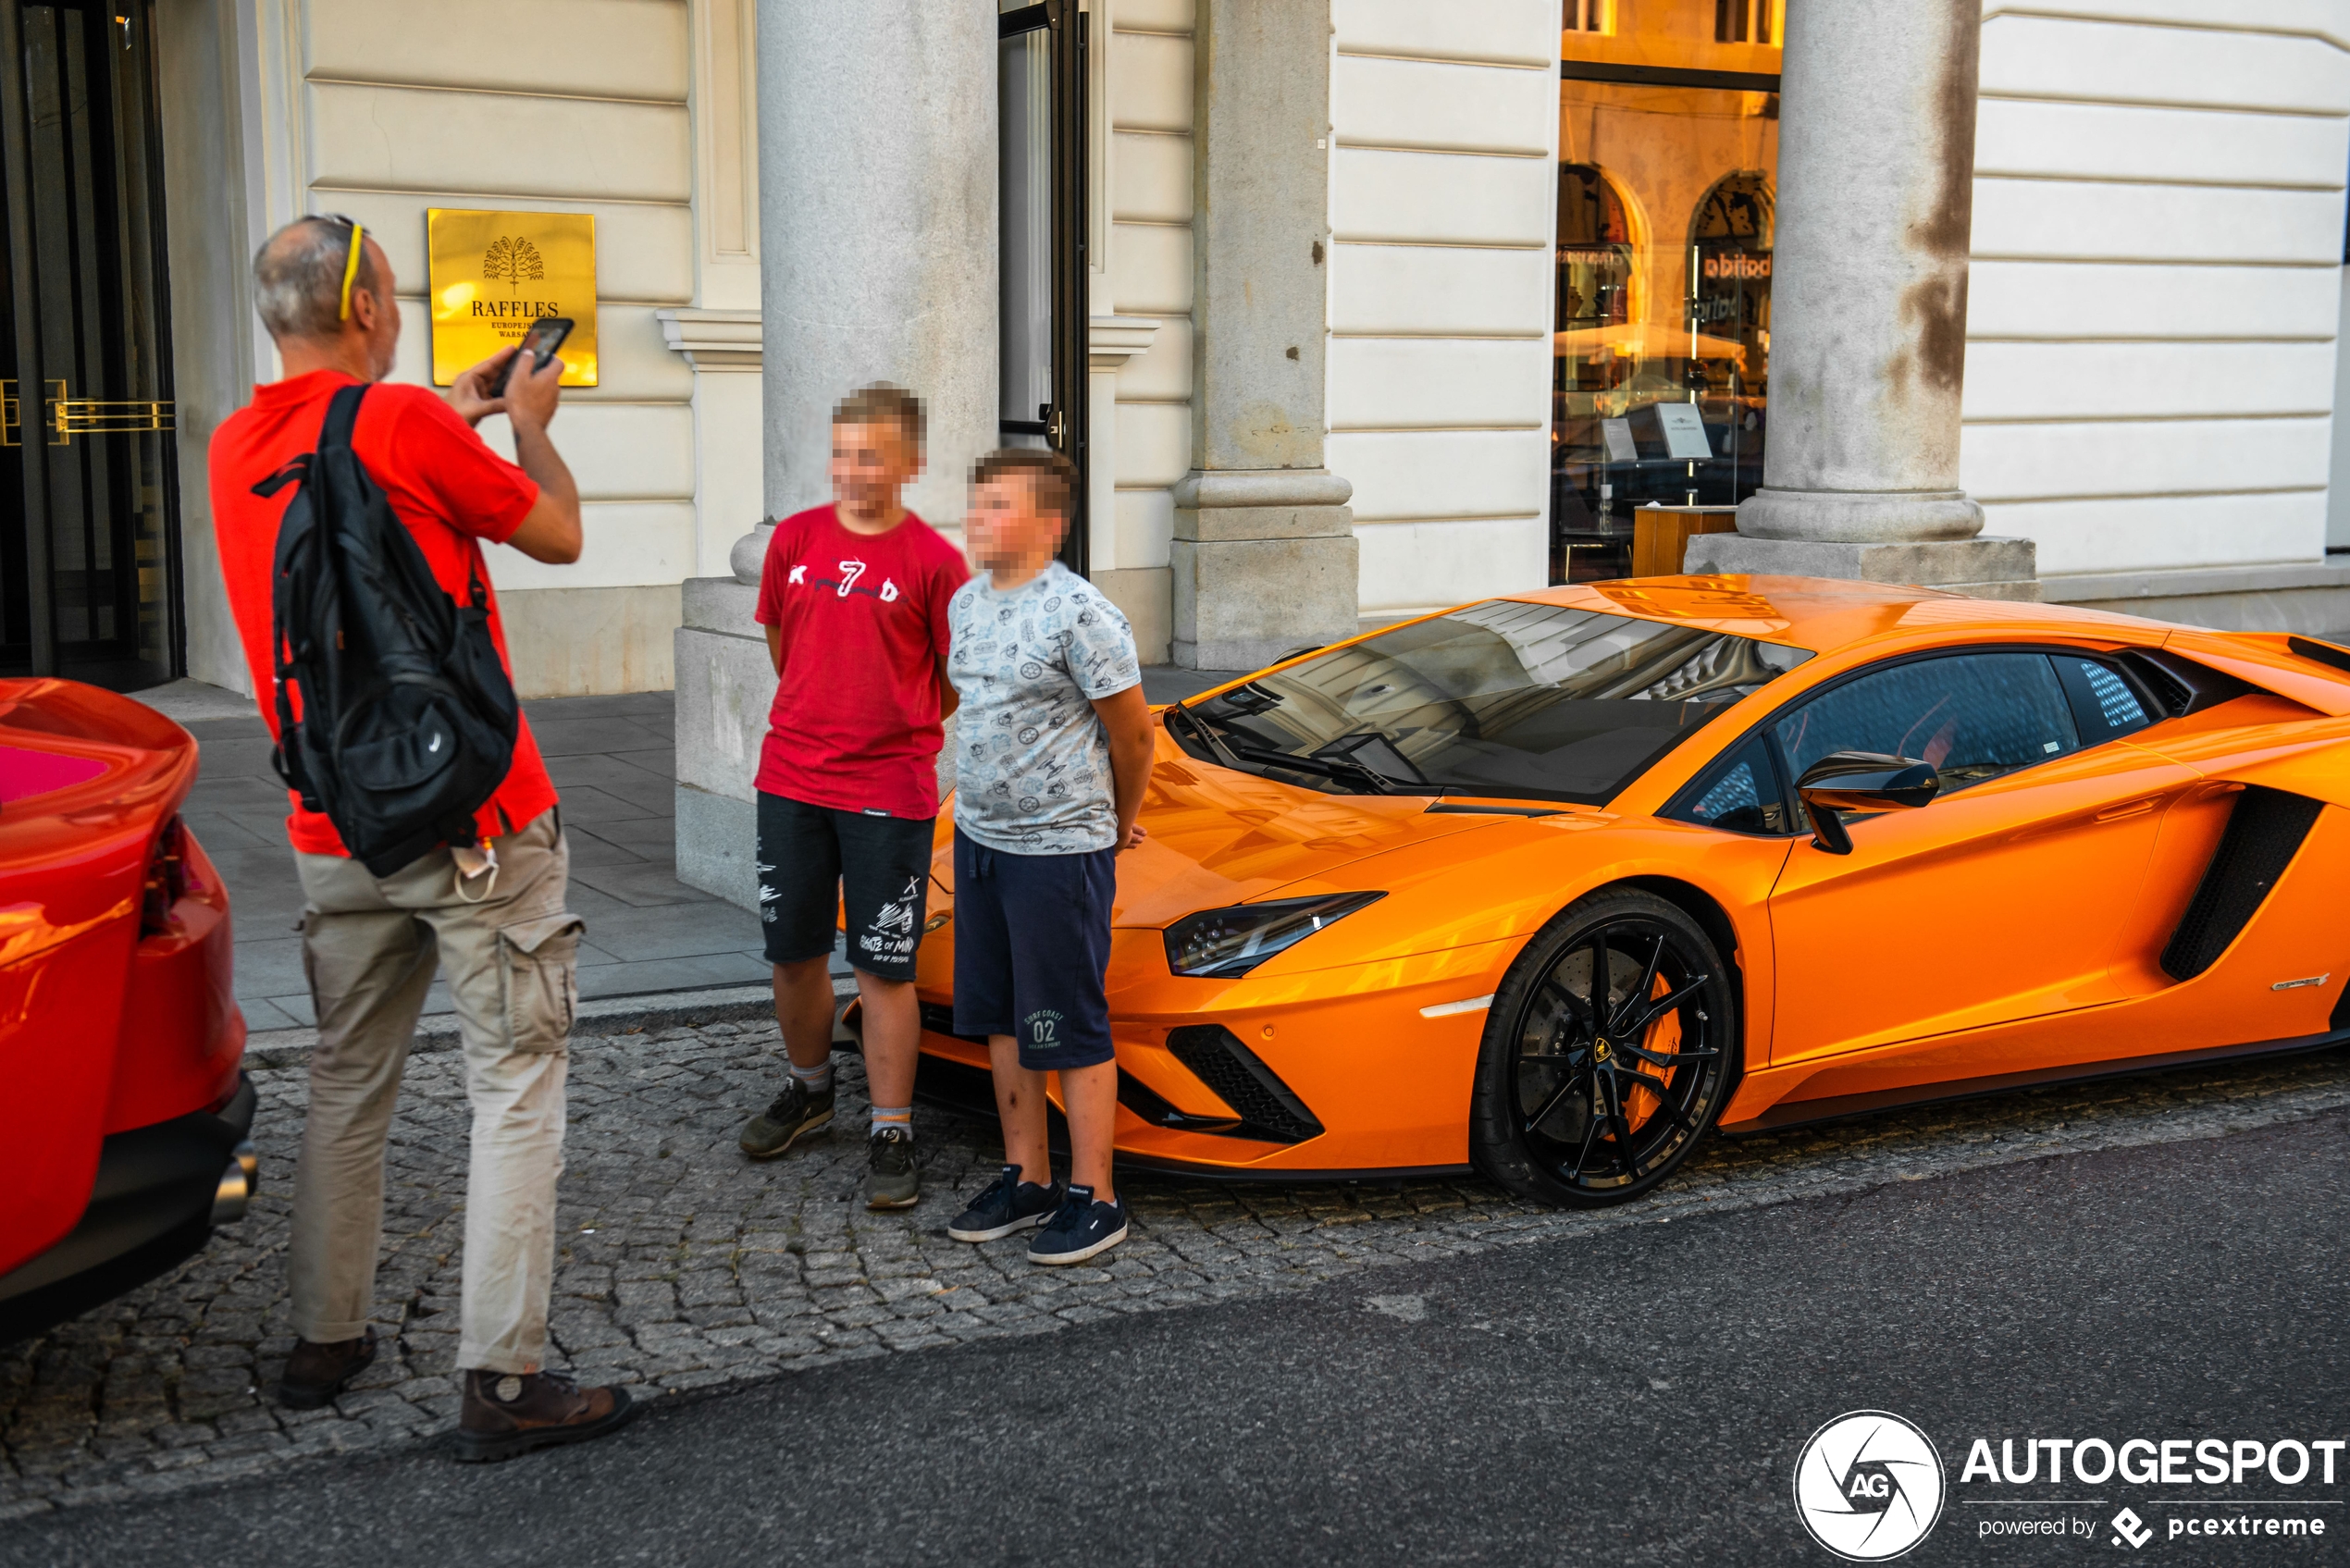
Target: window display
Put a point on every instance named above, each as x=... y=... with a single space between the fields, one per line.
x=1668 y=148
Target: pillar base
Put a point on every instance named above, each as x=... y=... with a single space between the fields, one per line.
x=1985 y=567
x=1858 y=516
x=726 y=684
x=1264 y=561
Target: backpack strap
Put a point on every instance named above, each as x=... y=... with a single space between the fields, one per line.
x=293 y=472
x=342 y=417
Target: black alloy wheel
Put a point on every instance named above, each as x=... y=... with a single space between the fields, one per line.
x=1608 y=1053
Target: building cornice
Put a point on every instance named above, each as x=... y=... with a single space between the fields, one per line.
x=714 y=339
x=1111 y=340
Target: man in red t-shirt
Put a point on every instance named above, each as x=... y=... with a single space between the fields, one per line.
x=489 y=918
x=854 y=600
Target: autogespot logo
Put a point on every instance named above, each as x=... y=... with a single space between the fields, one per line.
x=1868 y=1486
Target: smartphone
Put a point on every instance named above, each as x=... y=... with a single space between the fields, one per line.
x=546 y=335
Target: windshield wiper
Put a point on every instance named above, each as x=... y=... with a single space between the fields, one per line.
x=1351 y=746
x=1343 y=765
x=1205 y=736
x=1329 y=767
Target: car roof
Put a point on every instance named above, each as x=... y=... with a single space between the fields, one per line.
x=1824 y=613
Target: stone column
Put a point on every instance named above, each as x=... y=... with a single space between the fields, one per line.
x=1867 y=305
x=1263 y=553
x=877 y=190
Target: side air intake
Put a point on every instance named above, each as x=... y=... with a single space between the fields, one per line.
x=2264 y=832
x=1268 y=1108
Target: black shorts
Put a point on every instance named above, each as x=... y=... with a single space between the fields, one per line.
x=1031 y=946
x=814 y=860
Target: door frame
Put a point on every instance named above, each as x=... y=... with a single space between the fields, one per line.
x=1067 y=430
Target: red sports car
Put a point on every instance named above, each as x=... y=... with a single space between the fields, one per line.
x=119 y=1034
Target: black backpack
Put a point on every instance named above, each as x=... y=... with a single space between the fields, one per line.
x=408 y=717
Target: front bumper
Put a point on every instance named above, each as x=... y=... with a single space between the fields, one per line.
x=158 y=1192
x=1312 y=1075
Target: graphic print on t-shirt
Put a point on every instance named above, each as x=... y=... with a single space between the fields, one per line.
x=1032 y=766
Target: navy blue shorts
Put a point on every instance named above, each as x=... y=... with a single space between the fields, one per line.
x=1031 y=944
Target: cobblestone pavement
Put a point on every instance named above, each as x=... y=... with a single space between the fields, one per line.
x=683 y=1267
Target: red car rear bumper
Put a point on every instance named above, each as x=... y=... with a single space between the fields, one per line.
x=158 y=1192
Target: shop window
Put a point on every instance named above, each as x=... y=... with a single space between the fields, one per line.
x=1668 y=148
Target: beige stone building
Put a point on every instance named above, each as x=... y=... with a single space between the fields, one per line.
x=1348 y=307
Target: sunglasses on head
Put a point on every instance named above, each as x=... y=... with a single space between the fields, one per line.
x=351 y=261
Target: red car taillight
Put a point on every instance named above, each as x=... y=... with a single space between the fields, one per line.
x=166 y=880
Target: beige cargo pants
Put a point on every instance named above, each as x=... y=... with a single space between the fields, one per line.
x=371 y=945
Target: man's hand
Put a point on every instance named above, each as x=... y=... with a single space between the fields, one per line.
x=552 y=532
x=469 y=394
x=531 y=395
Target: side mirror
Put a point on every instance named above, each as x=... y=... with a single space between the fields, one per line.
x=1862 y=781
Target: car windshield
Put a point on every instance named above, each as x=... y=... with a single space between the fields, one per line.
x=1503 y=698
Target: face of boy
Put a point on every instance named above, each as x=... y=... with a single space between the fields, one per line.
x=872 y=465
x=1006 y=530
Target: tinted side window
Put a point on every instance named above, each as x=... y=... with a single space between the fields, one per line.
x=1974 y=716
x=2104 y=705
x=1740 y=793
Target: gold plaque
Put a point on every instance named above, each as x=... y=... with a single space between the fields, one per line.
x=493 y=274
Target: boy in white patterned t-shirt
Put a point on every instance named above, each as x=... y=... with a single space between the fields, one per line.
x=1052 y=756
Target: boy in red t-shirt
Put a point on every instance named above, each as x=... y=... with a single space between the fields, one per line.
x=854 y=600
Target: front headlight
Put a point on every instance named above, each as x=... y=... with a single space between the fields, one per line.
x=1222 y=944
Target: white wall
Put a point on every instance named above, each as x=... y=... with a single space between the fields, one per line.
x=2156 y=284
x=1444 y=187
x=1150 y=269
x=560 y=106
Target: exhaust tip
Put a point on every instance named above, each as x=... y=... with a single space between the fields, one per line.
x=239 y=1183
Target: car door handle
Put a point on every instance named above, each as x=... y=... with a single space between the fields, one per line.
x=2115 y=813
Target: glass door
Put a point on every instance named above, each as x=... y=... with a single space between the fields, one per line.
x=1041 y=86
x=87 y=495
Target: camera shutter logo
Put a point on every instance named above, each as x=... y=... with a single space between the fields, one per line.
x=1869 y=1486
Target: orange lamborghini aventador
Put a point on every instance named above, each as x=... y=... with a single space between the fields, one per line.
x=1549 y=885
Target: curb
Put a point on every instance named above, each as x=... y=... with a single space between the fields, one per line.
x=604 y=1015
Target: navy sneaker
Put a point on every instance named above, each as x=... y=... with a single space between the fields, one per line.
x=1010 y=1204
x=1079 y=1229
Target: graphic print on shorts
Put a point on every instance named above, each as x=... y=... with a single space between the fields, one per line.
x=890 y=939
x=768 y=891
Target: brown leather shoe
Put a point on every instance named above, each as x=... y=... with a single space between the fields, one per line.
x=316 y=1373
x=509 y=1412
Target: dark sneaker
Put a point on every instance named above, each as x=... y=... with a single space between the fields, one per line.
x=1079 y=1229
x=892 y=1181
x=796 y=1113
x=1010 y=1204
x=508 y=1412
x=315 y=1374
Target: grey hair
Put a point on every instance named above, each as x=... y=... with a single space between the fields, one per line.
x=297 y=277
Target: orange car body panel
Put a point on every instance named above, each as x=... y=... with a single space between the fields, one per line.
x=102 y=1028
x=2008 y=932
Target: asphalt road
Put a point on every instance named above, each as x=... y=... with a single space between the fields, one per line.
x=1636 y=1397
